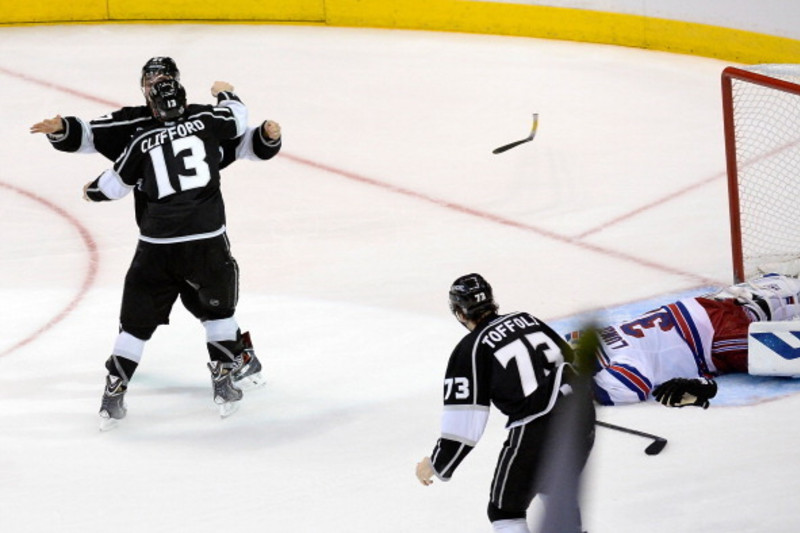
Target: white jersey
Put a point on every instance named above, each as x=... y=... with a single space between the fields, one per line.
x=636 y=356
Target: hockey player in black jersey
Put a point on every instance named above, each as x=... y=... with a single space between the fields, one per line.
x=523 y=367
x=110 y=134
x=174 y=163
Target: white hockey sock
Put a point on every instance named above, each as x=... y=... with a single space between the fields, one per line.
x=516 y=525
x=221 y=330
x=129 y=347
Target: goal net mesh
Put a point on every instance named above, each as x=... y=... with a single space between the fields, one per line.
x=766 y=135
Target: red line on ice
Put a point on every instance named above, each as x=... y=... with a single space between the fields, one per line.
x=497 y=219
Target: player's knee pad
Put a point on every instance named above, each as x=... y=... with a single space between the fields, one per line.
x=219 y=299
x=217 y=303
x=140 y=332
x=770 y=350
x=496 y=514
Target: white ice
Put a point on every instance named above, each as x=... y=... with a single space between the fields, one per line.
x=386 y=190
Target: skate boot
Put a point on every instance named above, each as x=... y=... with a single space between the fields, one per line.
x=248 y=374
x=226 y=394
x=112 y=408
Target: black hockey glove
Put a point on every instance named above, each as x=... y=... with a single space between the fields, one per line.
x=680 y=392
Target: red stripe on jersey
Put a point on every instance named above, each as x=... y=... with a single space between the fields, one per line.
x=686 y=331
x=632 y=378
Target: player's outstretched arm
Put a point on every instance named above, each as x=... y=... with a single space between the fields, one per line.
x=259 y=143
x=68 y=134
x=49 y=125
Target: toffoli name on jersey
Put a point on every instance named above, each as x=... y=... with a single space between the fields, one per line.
x=500 y=331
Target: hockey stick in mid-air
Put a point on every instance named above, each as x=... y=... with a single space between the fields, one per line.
x=654 y=448
x=529 y=138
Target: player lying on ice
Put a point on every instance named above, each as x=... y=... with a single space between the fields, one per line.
x=673 y=352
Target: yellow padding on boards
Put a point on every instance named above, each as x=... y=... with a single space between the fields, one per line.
x=230 y=10
x=470 y=16
x=567 y=24
x=17 y=11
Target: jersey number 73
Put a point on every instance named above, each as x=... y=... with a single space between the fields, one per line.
x=533 y=347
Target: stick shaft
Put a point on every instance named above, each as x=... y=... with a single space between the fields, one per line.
x=529 y=138
x=628 y=430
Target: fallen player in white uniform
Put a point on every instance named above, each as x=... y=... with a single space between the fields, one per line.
x=672 y=353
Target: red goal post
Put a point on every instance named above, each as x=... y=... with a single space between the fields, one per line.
x=761 y=108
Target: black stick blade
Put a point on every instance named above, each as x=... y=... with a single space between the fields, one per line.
x=509 y=146
x=656 y=446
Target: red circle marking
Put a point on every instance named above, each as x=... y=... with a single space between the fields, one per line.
x=91 y=272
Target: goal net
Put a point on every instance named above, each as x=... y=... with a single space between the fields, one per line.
x=761 y=106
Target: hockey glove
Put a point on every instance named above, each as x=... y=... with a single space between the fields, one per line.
x=680 y=392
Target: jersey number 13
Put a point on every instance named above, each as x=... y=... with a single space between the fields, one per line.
x=192 y=153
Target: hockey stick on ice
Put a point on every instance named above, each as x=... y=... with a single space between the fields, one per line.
x=654 y=448
x=529 y=138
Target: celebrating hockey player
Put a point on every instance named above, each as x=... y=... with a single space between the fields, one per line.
x=110 y=134
x=672 y=353
x=175 y=165
x=523 y=367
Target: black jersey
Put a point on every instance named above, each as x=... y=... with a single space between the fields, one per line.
x=515 y=362
x=175 y=168
x=111 y=133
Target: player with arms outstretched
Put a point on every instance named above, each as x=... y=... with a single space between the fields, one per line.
x=110 y=134
x=519 y=364
x=175 y=165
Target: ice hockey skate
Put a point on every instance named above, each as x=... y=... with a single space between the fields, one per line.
x=248 y=374
x=226 y=393
x=112 y=408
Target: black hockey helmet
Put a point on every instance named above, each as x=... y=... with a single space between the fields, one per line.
x=472 y=295
x=158 y=67
x=167 y=100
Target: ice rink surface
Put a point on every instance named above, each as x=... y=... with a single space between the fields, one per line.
x=386 y=190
